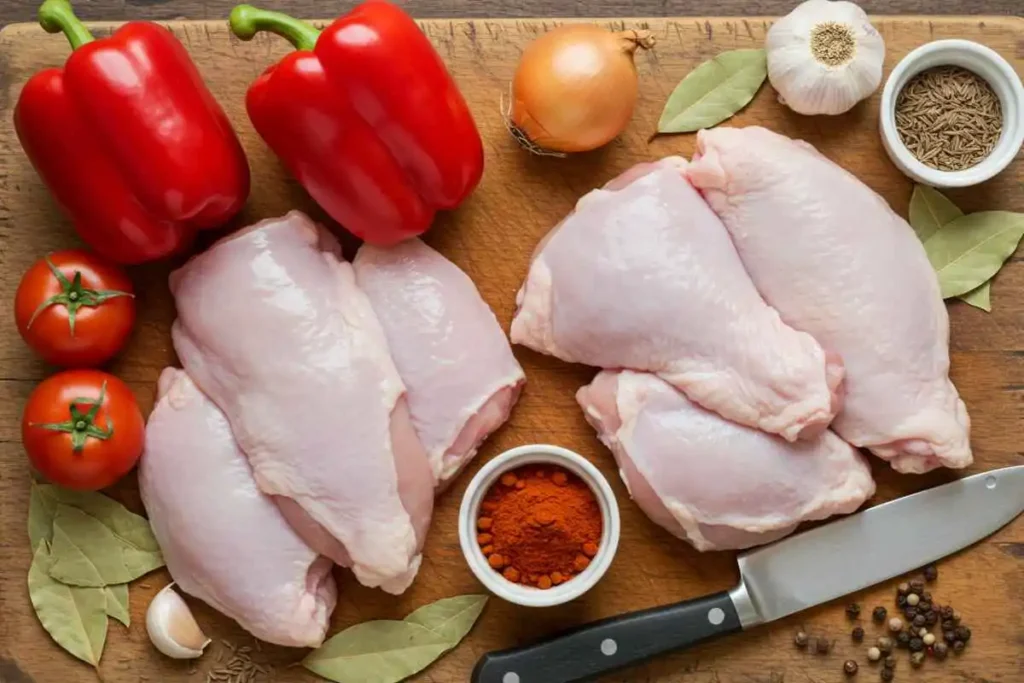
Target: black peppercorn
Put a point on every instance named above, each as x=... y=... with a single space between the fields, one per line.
x=931 y=573
x=857 y=633
x=931 y=618
x=822 y=645
x=890 y=662
x=917 y=659
x=963 y=633
x=949 y=637
x=940 y=650
x=903 y=588
x=947 y=613
x=884 y=645
x=919 y=620
x=948 y=625
x=924 y=606
x=916 y=644
x=850 y=667
x=958 y=646
x=878 y=614
x=800 y=639
x=901 y=600
x=910 y=612
x=886 y=674
x=926 y=596
x=853 y=610
x=902 y=640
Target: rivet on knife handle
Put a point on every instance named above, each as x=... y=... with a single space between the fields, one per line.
x=609 y=644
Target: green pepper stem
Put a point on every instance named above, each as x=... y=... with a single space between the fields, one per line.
x=246 y=21
x=56 y=16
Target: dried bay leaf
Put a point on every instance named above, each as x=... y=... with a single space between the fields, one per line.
x=42 y=505
x=117 y=603
x=930 y=210
x=391 y=651
x=450 y=618
x=75 y=618
x=969 y=250
x=86 y=551
x=714 y=91
x=980 y=297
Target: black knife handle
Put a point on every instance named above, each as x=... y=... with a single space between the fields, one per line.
x=606 y=645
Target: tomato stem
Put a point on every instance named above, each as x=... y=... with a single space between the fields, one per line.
x=73 y=296
x=81 y=426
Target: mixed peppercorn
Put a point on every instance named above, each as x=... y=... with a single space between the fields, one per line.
x=920 y=626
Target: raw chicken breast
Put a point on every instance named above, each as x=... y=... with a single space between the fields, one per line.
x=224 y=541
x=642 y=275
x=712 y=482
x=272 y=327
x=452 y=354
x=836 y=262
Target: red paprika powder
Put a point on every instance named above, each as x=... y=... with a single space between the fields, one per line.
x=539 y=525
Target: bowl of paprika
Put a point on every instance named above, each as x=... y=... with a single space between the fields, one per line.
x=539 y=525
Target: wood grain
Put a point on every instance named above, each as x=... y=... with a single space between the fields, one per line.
x=122 y=10
x=491 y=237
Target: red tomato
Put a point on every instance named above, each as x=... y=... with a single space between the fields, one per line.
x=82 y=429
x=74 y=309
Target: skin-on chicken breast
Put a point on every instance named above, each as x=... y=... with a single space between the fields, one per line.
x=224 y=541
x=642 y=275
x=836 y=262
x=710 y=481
x=452 y=354
x=272 y=327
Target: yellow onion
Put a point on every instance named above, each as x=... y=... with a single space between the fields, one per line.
x=575 y=88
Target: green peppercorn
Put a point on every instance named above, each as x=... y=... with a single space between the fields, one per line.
x=958 y=646
x=917 y=659
x=878 y=614
x=857 y=633
x=850 y=667
x=931 y=573
x=853 y=610
x=940 y=650
x=963 y=633
x=916 y=644
x=801 y=639
x=884 y=645
x=886 y=674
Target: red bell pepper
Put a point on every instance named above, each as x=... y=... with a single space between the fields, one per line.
x=130 y=141
x=367 y=117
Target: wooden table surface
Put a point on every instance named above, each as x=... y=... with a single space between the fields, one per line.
x=120 y=10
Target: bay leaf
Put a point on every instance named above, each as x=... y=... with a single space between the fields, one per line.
x=930 y=210
x=117 y=603
x=42 y=505
x=451 y=618
x=714 y=91
x=88 y=552
x=969 y=250
x=122 y=521
x=75 y=618
x=377 y=652
x=981 y=297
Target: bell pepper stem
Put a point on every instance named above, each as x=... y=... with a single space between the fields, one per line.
x=246 y=21
x=57 y=16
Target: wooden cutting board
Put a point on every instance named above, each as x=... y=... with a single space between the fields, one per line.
x=491 y=238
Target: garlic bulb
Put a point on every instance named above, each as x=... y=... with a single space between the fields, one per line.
x=824 y=57
x=172 y=628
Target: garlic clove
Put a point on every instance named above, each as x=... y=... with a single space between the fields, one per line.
x=172 y=628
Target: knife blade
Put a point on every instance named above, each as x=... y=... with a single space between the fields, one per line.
x=776 y=580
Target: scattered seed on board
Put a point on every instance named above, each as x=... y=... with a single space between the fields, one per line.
x=853 y=610
x=878 y=614
x=874 y=654
x=857 y=633
x=801 y=639
x=896 y=624
x=850 y=667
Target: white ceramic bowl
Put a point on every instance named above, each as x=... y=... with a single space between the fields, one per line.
x=986 y=63
x=528 y=595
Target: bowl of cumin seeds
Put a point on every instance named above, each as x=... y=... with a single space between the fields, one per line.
x=952 y=114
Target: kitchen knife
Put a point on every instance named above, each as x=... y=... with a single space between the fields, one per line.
x=779 y=579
